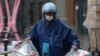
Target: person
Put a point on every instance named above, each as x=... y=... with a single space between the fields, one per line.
x=92 y=24
x=52 y=33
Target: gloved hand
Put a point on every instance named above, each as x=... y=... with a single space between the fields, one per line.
x=27 y=38
x=75 y=46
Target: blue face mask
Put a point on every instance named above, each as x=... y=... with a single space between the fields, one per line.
x=45 y=50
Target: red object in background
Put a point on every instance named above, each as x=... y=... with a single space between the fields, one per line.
x=72 y=12
x=12 y=18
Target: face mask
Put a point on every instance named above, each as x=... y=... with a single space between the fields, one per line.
x=49 y=18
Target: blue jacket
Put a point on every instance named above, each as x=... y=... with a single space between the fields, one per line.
x=59 y=36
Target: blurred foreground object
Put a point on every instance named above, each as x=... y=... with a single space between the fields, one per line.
x=79 y=52
x=26 y=48
x=20 y=48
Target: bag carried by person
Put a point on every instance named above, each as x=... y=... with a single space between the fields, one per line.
x=25 y=48
x=79 y=52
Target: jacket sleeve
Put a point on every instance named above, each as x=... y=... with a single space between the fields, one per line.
x=34 y=37
x=71 y=39
x=33 y=33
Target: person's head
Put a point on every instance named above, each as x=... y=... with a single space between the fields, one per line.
x=49 y=11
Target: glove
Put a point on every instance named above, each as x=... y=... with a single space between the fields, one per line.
x=27 y=39
x=75 y=46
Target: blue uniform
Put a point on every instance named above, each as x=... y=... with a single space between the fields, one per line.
x=59 y=36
